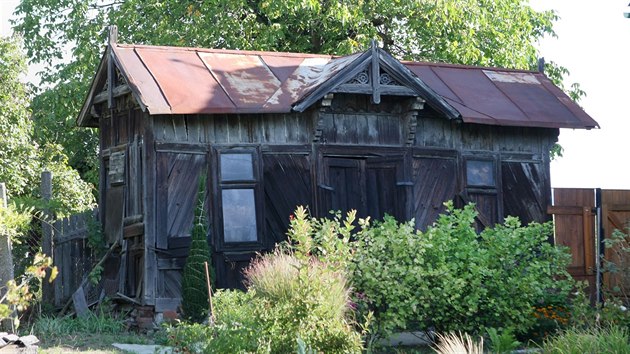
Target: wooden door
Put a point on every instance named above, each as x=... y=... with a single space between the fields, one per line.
x=574 y=220
x=616 y=216
x=372 y=186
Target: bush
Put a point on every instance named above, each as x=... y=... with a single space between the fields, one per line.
x=236 y=328
x=449 y=278
x=286 y=300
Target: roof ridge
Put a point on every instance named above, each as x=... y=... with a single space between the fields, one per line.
x=226 y=51
x=465 y=66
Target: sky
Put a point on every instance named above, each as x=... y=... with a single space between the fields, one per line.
x=592 y=44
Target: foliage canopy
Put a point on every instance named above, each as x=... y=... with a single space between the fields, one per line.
x=478 y=32
x=22 y=160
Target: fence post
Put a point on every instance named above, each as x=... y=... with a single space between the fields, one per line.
x=47 y=234
x=6 y=257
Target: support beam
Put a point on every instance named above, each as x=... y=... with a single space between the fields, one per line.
x=376 y=80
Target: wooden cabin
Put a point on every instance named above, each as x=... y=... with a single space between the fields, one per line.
x=276 y=130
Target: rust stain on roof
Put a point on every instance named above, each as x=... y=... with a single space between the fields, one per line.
x=206 y=81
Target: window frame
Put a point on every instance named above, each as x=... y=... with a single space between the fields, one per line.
x=494 y=170
x=254 y=184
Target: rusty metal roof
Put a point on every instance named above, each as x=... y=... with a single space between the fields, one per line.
x=174 y=80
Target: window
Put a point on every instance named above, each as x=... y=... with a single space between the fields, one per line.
x=481 y=188
x=480 y=173
x=239 y=215
x=238 y=185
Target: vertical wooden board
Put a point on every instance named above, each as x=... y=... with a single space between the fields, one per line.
x=524 y=192
x=389 y=129
x=209 y=122
x=132 y=180
x=57 y=262
x=66 y=269
x=249 y=133
x=233 y=129
x=327 y=126
x=161 y=199
x=434 y=182
x=372 y=130
x=348 y=186
x=149 y=268
x=616 y=216
x=347 y=128
x=435 y=131
x=382 y=191
x=298 y=130
x=287 y=184
x=221 y=131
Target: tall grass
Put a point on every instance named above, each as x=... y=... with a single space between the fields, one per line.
x=47 y=326
x=302 y=298
x=612 y=339
x=458 y=343
x=281 y=278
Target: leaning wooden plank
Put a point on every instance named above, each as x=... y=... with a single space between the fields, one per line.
x=80 y=304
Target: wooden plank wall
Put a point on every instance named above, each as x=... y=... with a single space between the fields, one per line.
x=291 y=163
x=234 y=129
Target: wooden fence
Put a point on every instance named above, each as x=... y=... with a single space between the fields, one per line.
x=71 y=255
x=583 y=219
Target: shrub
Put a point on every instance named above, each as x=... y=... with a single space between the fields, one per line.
x=194 y=284
x=286 y=300
x=617 y=265
x=236 y=328
x=449 y=278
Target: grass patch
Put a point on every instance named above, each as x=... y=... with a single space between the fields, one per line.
x=91 y=334
x=594 y=340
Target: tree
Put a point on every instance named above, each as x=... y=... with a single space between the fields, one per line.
x=22 y=161
x=477 y=32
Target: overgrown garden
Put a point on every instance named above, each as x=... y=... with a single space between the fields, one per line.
x=344 y=285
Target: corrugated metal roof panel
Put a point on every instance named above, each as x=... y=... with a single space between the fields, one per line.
x=195 y=80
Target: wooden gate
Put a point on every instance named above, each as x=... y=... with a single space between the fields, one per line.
x=582 y=219
x=574 y=212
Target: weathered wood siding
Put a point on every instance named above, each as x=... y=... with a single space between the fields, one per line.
x=389 y=158
x=287 y=184
x=234 y=129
